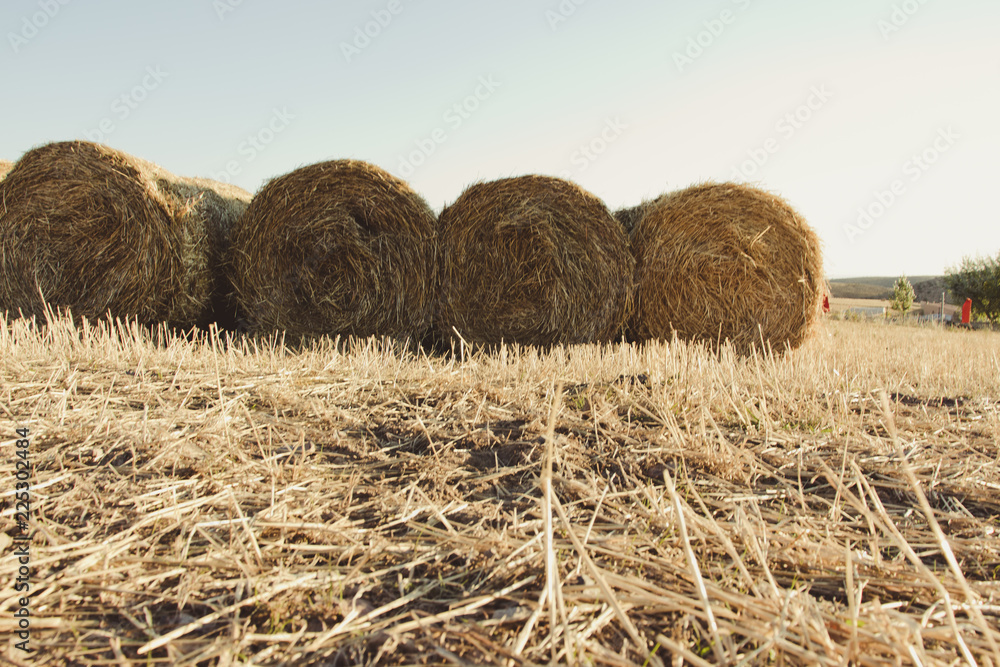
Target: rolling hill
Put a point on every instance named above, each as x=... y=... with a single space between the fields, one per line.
x=925 y=288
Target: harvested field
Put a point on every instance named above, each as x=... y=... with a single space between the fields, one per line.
x=5 y=166
x=724 y=261
x=336 y=248
x=532 y=260
x=207 y=502
x=839 y=305
x=97 y=231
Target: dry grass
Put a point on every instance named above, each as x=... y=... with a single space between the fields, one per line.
x=724 y=261
x=336 y=248
x=211 y=502
x=532 y=260
x=5 y=166
x=838 y=305
x=98 y=231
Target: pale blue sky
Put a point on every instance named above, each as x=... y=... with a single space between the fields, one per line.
x=832 y=99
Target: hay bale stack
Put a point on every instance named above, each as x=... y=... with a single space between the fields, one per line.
x=5 y=167
x=532 y=260
x=98 y=231
x=336 y=248
x=726 y=261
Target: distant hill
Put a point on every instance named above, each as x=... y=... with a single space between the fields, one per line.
x=925 y=288
x=849 y=290
x=930 y=290
x=883 y=281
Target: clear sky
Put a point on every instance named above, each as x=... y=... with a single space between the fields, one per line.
x=879 y=120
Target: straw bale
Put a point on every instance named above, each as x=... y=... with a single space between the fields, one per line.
x=724 y=261
x=98 y=231
x=336 y=248
x=628 y=217
x=532 y=260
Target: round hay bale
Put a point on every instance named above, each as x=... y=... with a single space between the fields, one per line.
x=5 y=166
x=628 y=217
x=207 y=210
x=726 y=262
x=533 y=260
x=336 y=248
x=100 y=232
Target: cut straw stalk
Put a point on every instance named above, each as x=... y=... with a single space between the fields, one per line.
x=713 y=626
x=602 y=583
x=308 y=580
x=550 y=501
x=942 y=540
x=881 y=519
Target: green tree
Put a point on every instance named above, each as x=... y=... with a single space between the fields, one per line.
x=978 y=278
x=902 y=296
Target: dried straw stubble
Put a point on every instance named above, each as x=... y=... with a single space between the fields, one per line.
x=726 y=261
x=532 y=260
x=93 y=229
x=336 y=248
x=5 y=166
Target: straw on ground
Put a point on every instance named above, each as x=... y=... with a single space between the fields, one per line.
x=221 y=501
